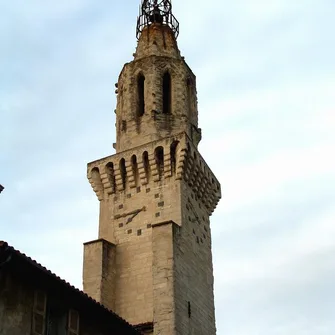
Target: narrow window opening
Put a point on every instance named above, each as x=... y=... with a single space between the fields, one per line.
x=134 y=168
x=159 y=157
x=140 y=92
x=111 y=175
x=123 y=172
x=173 y=154
x=167 y=93
x=189 y=309
x=146 y=164
x=124 y=125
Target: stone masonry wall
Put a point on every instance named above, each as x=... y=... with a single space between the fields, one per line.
x=156 y=194
x=132 y=214
x=193 y=269
x=134 y=130
x=163 y=278
x=99 y=272
x=137 y=201
x=157 y=40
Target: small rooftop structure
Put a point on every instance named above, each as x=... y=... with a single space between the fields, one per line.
x=156 y=11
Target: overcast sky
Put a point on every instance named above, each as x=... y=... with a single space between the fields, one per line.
x=266 y=88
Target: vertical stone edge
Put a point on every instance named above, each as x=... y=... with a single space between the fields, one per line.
x=163 y=280
x=99 y=271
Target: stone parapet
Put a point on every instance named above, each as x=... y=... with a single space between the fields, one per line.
x=174 y=157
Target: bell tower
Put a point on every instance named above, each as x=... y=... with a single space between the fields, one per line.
x=152 y=262
x=156 y=91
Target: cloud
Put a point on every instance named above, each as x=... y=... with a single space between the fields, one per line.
x=265 y=77
x=287 y=278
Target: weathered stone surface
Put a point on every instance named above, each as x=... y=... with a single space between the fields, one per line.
x=156 y=196
x=157 y=40
x=100 y=271
x=134 y=130
x=181 y=161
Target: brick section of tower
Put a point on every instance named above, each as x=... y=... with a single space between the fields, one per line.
x=153 y=259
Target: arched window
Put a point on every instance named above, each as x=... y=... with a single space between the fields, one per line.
x=167 y=93
x=96 y=179
x=146 y=164
x=95 y=172
x=173 y=155
x=140 y=95
x=111 y=175
x=135 y=168
x=123 y=172
x=159 y=157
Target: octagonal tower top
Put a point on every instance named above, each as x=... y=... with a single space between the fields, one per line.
x=156 y=11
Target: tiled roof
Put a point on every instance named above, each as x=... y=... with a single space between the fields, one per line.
x=6 y=253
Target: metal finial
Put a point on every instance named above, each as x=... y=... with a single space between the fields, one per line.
x=156 y=11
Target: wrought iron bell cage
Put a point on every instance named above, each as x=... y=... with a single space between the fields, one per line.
x=156 y=11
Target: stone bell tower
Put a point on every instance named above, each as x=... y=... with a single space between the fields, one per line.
x=152 y=263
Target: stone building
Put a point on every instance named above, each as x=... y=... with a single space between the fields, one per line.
x=152 y=261
x=34 y=301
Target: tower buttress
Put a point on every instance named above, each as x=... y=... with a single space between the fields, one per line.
x=152 y=262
